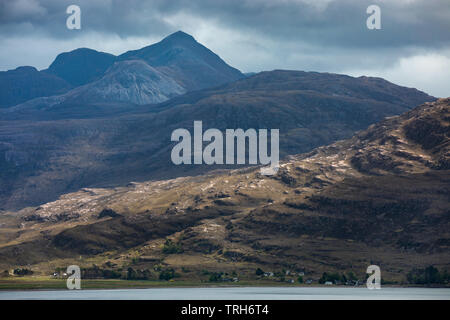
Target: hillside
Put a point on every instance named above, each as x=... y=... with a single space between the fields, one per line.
x=380 y=197
x=25 y=83
x=51 y=150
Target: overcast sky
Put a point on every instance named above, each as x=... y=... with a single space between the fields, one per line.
x=412 y=48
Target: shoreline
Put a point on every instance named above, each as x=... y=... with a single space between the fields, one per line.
x=30 y=284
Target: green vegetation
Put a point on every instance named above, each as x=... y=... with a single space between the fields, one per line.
x=44 y=282
x=336 y=278
x=221 y=276
x=281 y=275
x=170 y=247
x=96 y=272
x=167 y=274
x=22 y=272
x=428 y=276
x=215 y=277
x=133 y=274
x=185 y=270
x=351 y=276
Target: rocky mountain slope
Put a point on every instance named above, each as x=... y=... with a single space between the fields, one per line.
x=51 y=150
x=381 y=197
x=184 y=59
x=130 y=81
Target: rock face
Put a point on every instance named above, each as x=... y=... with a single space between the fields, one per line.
x=25 y=83
x=380 y=197
x=131 y=81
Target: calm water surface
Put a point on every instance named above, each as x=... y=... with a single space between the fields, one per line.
x=235 y=293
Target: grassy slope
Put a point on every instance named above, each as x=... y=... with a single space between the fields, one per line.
x=378 y=198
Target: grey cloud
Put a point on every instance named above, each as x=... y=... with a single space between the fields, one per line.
x=21 y=11
x=338 y=23
x=332 y=22
x=253 y=35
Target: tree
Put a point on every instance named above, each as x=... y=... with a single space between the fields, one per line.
x=170 y=247
x=432 y=275
x=215 y=277
x=167 y=274
x=429 y=275
x=351 y=276
x=22 y=272
x=332 y=277
x=259 y=272
x=131 y=274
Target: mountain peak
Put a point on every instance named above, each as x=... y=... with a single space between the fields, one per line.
x=179 y=36
x=189 y=62
x=81 y=66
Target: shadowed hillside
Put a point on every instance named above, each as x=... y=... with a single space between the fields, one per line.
x=25 y=83
x=380 y=197
x=50 y=150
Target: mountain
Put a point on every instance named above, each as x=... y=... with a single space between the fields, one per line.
x=25 y=83
x=338 y=86
x=380 y=197
x=48 y=151
x=147 y=76
x=191 y=64
x=130 y=81
x=81 y=66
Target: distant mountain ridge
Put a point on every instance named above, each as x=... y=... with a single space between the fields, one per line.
x=175 y=65
x=25 y=83
x=81 y=66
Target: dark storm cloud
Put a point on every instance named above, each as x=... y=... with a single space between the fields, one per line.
x=253 y=35
x=48 y=17
x=321 y=22
x=337 y=23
